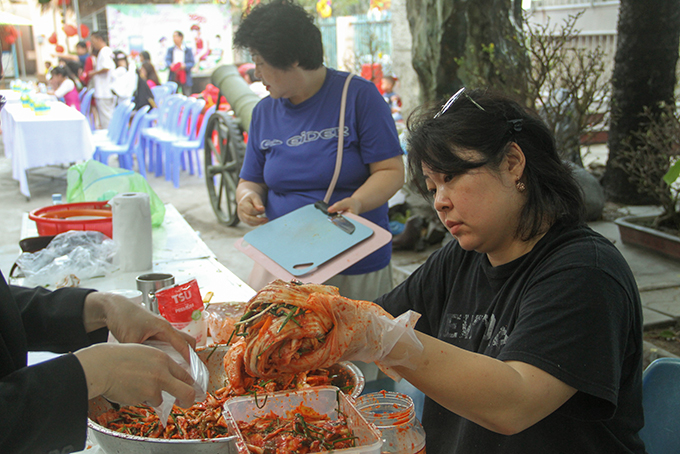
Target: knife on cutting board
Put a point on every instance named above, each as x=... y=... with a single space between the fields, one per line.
x=336 y=218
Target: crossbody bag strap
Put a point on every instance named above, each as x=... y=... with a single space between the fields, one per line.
x=341 y=141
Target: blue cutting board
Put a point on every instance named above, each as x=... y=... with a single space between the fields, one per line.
x=304 y=239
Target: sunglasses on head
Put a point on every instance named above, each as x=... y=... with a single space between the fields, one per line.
x=515 y=125
x=453 y=99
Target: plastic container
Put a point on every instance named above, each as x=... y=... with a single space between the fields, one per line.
x=323 y=399
x=394 y=415
x=55 y=219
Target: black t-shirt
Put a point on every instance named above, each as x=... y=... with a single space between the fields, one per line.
x=569 y=307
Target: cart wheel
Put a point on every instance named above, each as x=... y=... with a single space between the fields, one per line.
x=224 y=153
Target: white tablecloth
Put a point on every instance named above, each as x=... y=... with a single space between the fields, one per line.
x=61 y=136
x=11 y=96
x=178 y=250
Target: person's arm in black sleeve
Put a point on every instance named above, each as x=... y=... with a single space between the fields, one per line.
x=44 y=406
x=54 y=320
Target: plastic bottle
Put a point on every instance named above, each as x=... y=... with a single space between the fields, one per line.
x=394 y=415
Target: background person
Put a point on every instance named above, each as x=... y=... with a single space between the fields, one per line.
x=63 y=87
x=82 y=53
x=391 y=97
x=144 y=56
x=282 y=172
x=45 y=405
x=125 y=83
x=531 y=321
x=180 y=60
x=103 y=77
x=148 y=73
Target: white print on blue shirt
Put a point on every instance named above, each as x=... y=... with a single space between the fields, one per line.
x=460 y=326
x=305 y=137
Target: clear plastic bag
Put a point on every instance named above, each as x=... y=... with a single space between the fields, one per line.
x=381 y=337
x=221 y=319
x=70 y=256
x=197 y=369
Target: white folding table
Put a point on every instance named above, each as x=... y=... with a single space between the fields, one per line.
x=61 y=136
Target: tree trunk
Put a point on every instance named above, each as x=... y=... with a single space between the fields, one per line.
x=475 y=42
x=644 y=75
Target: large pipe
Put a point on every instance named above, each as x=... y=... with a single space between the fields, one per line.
x=239 y=95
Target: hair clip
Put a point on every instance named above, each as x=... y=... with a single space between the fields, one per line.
x=516 y=125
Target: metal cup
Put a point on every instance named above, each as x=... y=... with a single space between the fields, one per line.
x=149 y=284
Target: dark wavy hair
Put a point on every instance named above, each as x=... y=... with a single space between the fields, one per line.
x=283 y=33
x=151 y=72
x=488 y=123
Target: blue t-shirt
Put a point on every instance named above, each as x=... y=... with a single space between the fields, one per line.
x=292 y=149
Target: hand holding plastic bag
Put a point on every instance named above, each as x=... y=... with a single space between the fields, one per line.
x=198 y=370
x=291 y=327
x=376 y=335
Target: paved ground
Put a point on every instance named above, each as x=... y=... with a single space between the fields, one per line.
x=658 y=277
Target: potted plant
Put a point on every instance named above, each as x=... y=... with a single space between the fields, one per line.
x=653 y=165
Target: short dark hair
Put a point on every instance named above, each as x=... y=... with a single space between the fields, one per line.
x=283 y=33
x=101 y=35
x=82 y=44
x=59 y=71
x=179 y=33
x=145 y=55
x=489 y=123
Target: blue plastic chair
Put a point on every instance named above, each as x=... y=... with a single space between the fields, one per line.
x=661 y=405
x=81 y=93
x=192 y=145
x=86 y=107
x=172 y=86
x=129 y=148
x=118 y=124
x=165 y=116
x=177 y=131
x=173 y=128
x=159 y=93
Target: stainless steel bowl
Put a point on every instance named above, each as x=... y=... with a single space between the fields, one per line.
x=118 y=443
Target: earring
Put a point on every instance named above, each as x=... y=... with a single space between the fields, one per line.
x=521 y=187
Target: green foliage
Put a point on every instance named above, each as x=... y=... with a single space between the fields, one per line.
x=651 y=158
x=566 y=83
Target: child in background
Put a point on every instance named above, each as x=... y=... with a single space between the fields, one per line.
x=63 y=87
x=391 y=97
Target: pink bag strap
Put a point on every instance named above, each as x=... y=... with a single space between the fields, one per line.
x=341 y=141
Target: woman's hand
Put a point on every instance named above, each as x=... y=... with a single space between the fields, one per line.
x=131 y=323
x=347 y=205
x=134 y=373
x=249 y=197
x=386 y=178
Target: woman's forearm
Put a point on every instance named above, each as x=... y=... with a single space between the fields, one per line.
x=505 y=397
x=386 y=178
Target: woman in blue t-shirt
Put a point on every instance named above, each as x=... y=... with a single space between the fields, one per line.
x=293 y=139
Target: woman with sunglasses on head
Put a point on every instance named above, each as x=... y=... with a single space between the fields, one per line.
x=531 y=321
